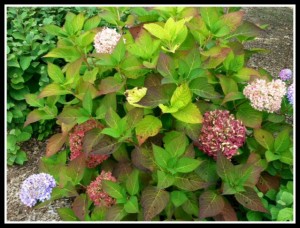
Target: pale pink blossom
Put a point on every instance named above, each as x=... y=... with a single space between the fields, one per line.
x=106 y=40
x=265 y=96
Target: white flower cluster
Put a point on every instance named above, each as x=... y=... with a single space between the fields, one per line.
x=265 y=96
x=106 y=40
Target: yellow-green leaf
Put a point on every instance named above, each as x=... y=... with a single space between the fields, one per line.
x=189 y=114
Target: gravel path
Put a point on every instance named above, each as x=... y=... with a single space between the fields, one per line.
x=278 y=39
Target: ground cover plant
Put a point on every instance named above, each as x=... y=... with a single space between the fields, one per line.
x=161 y=119
x=27 y=71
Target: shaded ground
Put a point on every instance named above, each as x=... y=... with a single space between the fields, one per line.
x=278 y=39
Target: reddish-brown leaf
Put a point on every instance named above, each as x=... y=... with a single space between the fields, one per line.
x=55 y=143
x=122 y=170
x=210 y=204
x=79 y=206
x=109 y=85
x=135 y=31
x=142 y=158
x=250 y=200
x=227 y=214
x=267 y=182
x=233 y=20
x=35 y=116
x=153 y=201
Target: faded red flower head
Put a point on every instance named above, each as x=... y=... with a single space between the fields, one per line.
x=76 y=143
x=97 y=194
x=221 y=132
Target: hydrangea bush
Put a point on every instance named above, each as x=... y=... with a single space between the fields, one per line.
x=164 y=120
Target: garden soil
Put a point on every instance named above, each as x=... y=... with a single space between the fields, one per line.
x=278 y=38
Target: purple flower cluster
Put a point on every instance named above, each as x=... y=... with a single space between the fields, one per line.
x=290 y=94
x=36 y=187
x=285 y=74
x=221 y=132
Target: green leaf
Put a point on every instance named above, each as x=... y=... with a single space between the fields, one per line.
x=53 y=89
x=285 y=214
x=264 y=138
x=92 y=22
x=224 y=167
x=69 y=54
x=250 y=200
x=247 y=29
x=119 y=51
x=189 y=182
x=228 y=85
x=249 y=116
x=54 y=30
x=147 y=127
x=178 y=198
x=67 y=214
x=25 y=62
x=282 y=141
x=108 y=101
x=115 y=133
x=244 y=74
x=210 y=15
x=161 y=156
x=164 y=180
x=132 y=206
x=181 y=97
x=132 y=183
x=175 y=143
x=113 y=189
x=33 y=101
x=87 y=102
x=254 y=216
x=55 y=73
x=112 y=118
x=186 y=165
x=210 y=204
x=157 y=31
x=21 y=157
x=75 y=169
x=99 y=213
x=287 y=157
x=153 y=201
x=189 y=114
x=270 y=156
x=23 y=136
x=202 y=88
x=233 y=96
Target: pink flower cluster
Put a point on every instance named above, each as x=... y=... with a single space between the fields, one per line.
x=265 y=96
x=97 y=194
x=76 y=143
x=106 y=40
x=221 y=132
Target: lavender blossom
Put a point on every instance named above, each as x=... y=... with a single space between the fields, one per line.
x=290 y=94
x=285 y=74
x=36 y=187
